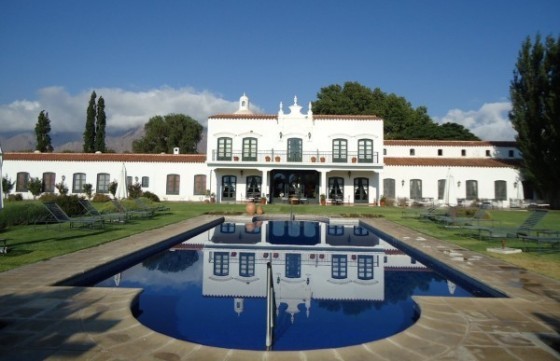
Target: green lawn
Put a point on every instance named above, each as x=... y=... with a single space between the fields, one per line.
x=33 y=243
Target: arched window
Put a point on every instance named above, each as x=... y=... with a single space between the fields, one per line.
x=340 y=150
x=295 y=150
x=103 y=180
x=365 y=151
x=389 y=188
x=253 y=189
x=49 y=182
x=22 y=182
x=249 y=149
x=229 y=186
x=224 y=148
x=500 y=190
x=336 y=189
x=415 y=189
x=361 y=186
x=472 y=190
x=199 y=186
x=173 y=183
x=78 y=181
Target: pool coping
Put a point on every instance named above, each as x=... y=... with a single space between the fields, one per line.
x=38 y=321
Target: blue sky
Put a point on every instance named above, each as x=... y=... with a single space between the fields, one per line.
x=155 y=57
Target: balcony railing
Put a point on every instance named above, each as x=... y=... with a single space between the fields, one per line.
x=273 y=156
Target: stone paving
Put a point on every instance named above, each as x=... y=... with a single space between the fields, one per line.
x=41 y=321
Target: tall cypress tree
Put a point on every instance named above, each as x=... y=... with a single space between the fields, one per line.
x=100 y=126
x=42 y=132
x=535 y=114
x=89 y=133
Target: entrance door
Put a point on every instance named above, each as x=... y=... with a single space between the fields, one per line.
x=303 y=185
x=361 y=190
x=229 y=185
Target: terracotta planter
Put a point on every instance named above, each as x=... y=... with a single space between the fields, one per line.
x=267 y=158
x=236 y=158
x=277 y=159
x=313 y=159
x=354 y=160
x=250 y=208
x=260 y=210
x=322 y=159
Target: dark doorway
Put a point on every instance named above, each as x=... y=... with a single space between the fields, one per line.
x=294 y=183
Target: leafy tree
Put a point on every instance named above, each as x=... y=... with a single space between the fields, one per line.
x=42 y=132
x=100 y=126
x=401 y=120
x=535 y=114
x=35 y=186
x=113 y=187
x=62 y=188
x=162 y=134
x=89 y=133
x=7 y=185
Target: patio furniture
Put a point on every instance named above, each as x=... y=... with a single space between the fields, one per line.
x=524 y=229
x=109 y=217
x=157 y=208
x=61 y=217
x=132 y=213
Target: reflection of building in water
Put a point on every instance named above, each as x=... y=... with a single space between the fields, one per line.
x=323 y=262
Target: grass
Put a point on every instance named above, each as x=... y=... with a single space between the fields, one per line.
x=33 y=243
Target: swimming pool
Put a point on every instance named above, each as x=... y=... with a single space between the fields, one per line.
x=334 y=285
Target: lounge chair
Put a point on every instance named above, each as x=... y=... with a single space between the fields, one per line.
x=61 y=217
x=132 y=213
x=524 y=229
x=108 y=217
x=549 y=238
x=157 y=208
x=451 y=220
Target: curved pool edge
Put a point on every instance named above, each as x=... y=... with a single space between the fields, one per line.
x=47 y=322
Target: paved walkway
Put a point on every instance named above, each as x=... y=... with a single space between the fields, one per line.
x=40 y=321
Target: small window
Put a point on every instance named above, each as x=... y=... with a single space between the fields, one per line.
x=221 y=263
x=339 y=266
x=384 y=151
x=48 y=182
x=412 y=151
x=472 y=190
x=22 y=183
x=511 y=153
x=365 y=267
x=78 y=181
x=246 y=264
x=199 y=184
x=172 y=184
x=488 y=152
x=440 y=152
x=293 y=265
x=441 y=189
x=500 y=190
x=145 y=182
x=463 y=152
x=103 y=180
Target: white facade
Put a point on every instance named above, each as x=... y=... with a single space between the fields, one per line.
x=295 y=156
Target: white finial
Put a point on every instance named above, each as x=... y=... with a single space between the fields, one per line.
x=295 y=100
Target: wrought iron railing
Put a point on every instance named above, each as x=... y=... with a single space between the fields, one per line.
x=274 y=156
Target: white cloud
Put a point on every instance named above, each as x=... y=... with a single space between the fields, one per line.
x=490 y=122
x=125 y=109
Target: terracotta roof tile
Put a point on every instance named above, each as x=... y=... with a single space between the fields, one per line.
x=108 y=157
x=452 y=162
x=315 y=116
x=451 y=143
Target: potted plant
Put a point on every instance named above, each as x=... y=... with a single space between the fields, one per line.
x=354 y=159
x=212 y=198
x=382 y=201
x=277 y=159
x=263 y=199
x=322 y=159
x=236 y=158
x=313 y=159
x=323 y=199
x=267 y=158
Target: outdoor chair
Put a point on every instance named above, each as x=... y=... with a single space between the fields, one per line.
x=61 y=217
x=132 y=213
x=108 y=217
x=524 y=229
x=144 y=206
x=450 y=220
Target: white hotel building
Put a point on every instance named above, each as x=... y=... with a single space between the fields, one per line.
x=294 y=156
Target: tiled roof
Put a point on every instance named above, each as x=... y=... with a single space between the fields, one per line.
x=450 y=143
x=452 y=162
x=315 y=116
x=108 y=157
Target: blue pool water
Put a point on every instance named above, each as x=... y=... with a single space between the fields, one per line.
x=335 y=285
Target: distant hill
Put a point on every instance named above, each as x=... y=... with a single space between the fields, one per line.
x=120 y=142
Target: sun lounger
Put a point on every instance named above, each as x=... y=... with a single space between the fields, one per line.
x=133 y=213
x=108 y=217
x=524 y=229
x=61 y=217
x=157 y=208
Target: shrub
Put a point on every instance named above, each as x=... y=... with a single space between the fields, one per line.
x=134 y=190
x=15 y=197
x=19 y=213
x=100 y=197
x=151 y=196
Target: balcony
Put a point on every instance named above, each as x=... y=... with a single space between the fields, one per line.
x=307 y=158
